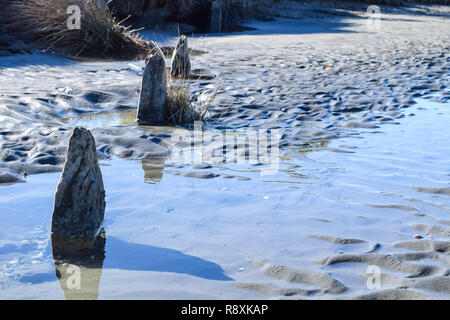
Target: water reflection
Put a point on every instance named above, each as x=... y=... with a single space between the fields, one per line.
x=79 y=271
x=103 y=119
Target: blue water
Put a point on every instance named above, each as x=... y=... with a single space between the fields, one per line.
x=172 y=236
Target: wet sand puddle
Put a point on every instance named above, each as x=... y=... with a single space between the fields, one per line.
x=309 y=231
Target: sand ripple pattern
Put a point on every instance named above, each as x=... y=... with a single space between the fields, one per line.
x=422 y=272
x=315 y=83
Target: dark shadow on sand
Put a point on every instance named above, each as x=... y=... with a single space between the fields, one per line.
x=34 y=59
x=140 y=257
x=293 y=26
x=129 y=256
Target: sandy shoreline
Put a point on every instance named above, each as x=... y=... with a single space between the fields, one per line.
x=317 y=79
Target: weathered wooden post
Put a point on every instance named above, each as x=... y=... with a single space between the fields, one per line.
x=79 y=206
x=181 y=62
x=152 y=101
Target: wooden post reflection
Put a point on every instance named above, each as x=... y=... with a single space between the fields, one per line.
x=78 y=265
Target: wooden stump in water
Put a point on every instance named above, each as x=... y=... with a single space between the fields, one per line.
x=79 y=205
x=216 y=15
x=152 y=101
x=181 y=62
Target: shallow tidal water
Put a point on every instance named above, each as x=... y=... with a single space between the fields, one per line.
x=241 y=235
x=363 y=182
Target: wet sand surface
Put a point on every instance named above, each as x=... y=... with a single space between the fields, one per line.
x=310 y=231
x=364 y=168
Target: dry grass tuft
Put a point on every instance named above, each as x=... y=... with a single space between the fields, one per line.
x=100 y=34
x=180 y=108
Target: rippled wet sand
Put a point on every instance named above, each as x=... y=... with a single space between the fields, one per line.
x=310 y=231
x=319 y=79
